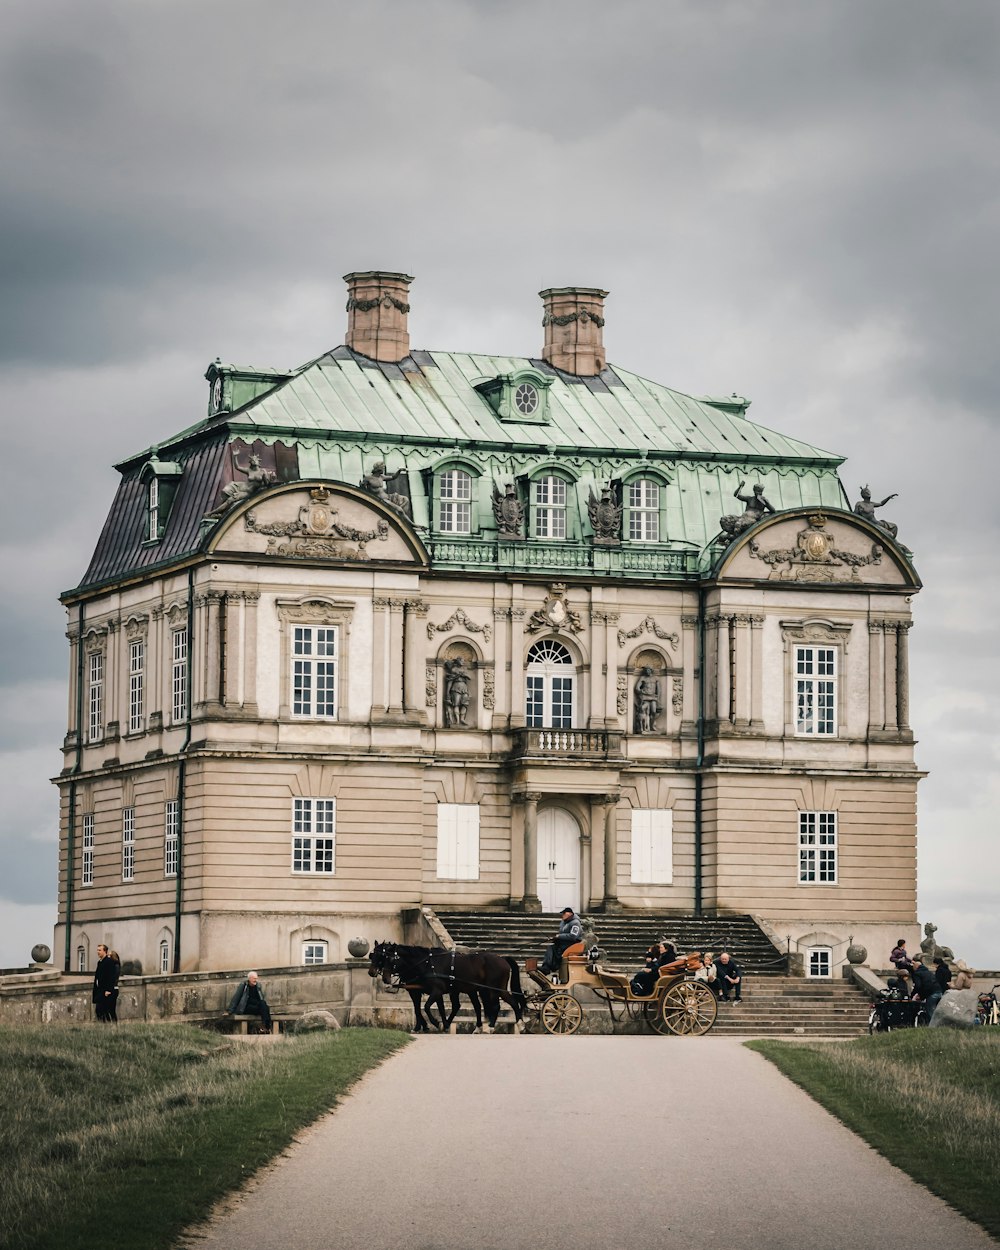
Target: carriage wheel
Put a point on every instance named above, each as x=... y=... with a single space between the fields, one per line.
x=561 y=1013
x=687 y=1009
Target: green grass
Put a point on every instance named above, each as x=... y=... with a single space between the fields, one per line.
x=118 y=1138
x=927 y=1099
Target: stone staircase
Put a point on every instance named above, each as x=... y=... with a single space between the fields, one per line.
x=795 y=1006
x=624 y=936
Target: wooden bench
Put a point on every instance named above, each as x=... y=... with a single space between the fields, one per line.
x=279 y=1022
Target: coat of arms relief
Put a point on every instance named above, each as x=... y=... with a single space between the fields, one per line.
x=815 y=557
x=316 y=532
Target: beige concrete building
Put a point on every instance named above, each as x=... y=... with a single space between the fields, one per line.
x=406 y=629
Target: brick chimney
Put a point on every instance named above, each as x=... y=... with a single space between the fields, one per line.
x=574 y=329
x=377 y=304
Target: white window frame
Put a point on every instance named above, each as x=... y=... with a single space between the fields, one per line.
x=164 y=950
x=171 y=837
x=815 y=957
x=816 y=673
x=550 y=507
x=549 y=687
x=311 y=948
x=178 y=674
x=818 y=850
x=95 y=696
x=315 y=671
x=87 y=848
x=652 y=846
x=136 y=684
x=81 y=959
x=455 y=501
x=314 y=837
x=128 y=843
x=153 y=510
x=458 y=826
x=643 y=515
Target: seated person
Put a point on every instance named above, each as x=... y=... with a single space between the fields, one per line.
x=659 y=953
x=249 y=1000
x=707 y=970
x=925 y=986
x=898 y=957
x=728 y=978
x=570 y=932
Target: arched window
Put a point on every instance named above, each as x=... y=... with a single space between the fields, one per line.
x=455 y=502
x=549 y=686
x=81 y=959
x=550 y=507
x=644 y=498
x=164 y=955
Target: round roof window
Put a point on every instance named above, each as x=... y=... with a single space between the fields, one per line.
x=526 y=399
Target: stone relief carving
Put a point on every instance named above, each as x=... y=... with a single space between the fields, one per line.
x=605 y=517
x=366 y=305
x=456 y=693
x=648 y=626
x=647 y=702
x=622 y=705
x=756 y=507
x=814 y=558
x=257 y=479
x=458 y=616
x=564 y=319
x=431 y=679
x=489 y=690
x=508 y=511
x=677 y=698
x=374 y=482
x=136 y=627
x=555 y=613
x=316 y=532
x=865 y=508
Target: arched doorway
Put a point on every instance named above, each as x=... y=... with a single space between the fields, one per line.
x=558 y=859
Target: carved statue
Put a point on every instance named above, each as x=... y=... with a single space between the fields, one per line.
x=456 y=693
x=508 y=510
x=647 y=702
x=865 y=507
x=756 y=507
x=929 y=947
x=235 y=491
x=605 y=516
x=374 y=483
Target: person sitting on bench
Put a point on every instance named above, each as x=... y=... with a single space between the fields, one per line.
x=249 y=1000
x=570 y=932
x=659 y=953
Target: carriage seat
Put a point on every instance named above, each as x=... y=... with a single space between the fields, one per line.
x=575 y=954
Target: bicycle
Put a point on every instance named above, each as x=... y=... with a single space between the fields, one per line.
x=988 y=1011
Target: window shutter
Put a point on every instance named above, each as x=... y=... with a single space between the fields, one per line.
x=458 y=841
x=641 y=864
x=652 y=846
x=447 y=857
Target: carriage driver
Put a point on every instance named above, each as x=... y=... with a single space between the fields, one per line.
x=570 y=932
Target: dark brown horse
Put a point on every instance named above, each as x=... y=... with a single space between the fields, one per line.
x=435 y=972
x=380 y=965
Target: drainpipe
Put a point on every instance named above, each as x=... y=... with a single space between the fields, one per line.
x=71 y=806
x=182 y=771
x=700 y=761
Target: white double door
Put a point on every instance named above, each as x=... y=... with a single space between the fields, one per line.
x=558 y=860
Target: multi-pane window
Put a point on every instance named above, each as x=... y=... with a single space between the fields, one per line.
x=314 y=670
x=178 y=675
x=95 y=696
x=164 y=955
x=313 y=953
x=549 y=507
x=815 y=690
x=817 y=848
x=819 y=961
x=458 y=841
x=128 y=843
x=652 y=846
x=81 y=959
x=455 y=502
x=314 y=825
x=136 y=678
x=171 y=837
x=644 y=511
x=549 y=686
x=87 y=874
x=153 y=510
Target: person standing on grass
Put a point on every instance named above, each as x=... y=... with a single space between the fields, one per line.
x=105 y=990
x=728 y=978
x=249 y=1000
x=116 y=961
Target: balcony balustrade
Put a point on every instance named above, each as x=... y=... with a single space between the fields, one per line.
x=567 y=744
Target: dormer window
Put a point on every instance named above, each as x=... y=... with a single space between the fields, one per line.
x=644 y=511
x=455 y=502
x=549 y=500
x=162 y=478
x=519 y=397
x=153 y=511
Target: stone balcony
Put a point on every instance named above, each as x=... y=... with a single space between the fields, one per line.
x=567 y=744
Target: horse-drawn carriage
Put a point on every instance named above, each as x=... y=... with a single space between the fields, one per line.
x=676 y=1004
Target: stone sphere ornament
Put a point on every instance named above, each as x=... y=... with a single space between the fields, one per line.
x=40 y=954
x=856 y=954
x=358 y=947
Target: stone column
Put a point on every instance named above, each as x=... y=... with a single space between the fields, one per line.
x=517 y=668
x=611 y=902
x=689 y=661
x=532 y=902
x=233 y=650
x=157 y=670
x=876 y=690
x=903 y=675
x=757 y=672
x=249 y=665
x=112 y=682
x=414 y=648
x=890 y=676
x=396 y=607
x=740 y=650
x=73 y=730
x=213 y=648
x=600 y=662
x=380 y=659
x=586 y=874
x=501 y=650
x=611 y=620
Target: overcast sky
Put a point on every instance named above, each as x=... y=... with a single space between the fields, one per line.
x=795 y=201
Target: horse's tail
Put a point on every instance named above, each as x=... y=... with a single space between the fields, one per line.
x=515 y=985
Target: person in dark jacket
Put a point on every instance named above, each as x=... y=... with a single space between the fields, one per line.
x=570 y=932
x=728 y=978
x=899 y=957
x=249 y=1000
x=105 y=990
x=942 y=974
x=659 y=953
x=925 y=986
